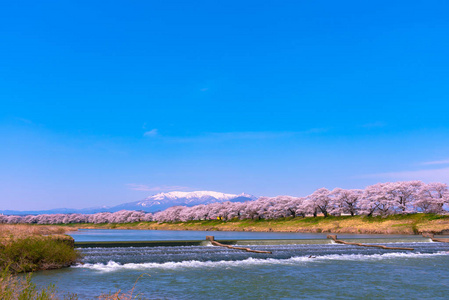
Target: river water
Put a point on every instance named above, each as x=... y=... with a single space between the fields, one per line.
x=97 y=235
x=303 y=271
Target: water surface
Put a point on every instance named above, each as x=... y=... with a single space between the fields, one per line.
x=291 y=272
x=97 y=235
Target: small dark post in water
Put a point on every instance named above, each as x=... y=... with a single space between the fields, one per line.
x=332 y=236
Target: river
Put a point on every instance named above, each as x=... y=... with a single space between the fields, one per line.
x=302 y=271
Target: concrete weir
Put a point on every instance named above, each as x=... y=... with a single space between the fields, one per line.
x=111 y=244
x=435 y=239
x=211 y=239
x=334 y=238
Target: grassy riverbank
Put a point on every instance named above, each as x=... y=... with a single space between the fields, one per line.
x=396 y=224
x=26 y=248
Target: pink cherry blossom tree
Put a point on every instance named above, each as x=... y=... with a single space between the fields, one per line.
x=346 y=201
x=432 y=198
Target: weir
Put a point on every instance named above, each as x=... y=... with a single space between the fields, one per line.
x=334 y=238
x=211 y=239
x=176 y=243
x=434 y=239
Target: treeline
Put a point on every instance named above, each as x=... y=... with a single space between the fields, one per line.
x=380 y=199
x=123 y=216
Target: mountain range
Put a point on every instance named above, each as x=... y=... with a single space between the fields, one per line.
x=153 y=203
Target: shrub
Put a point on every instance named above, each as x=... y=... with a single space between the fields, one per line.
x=36 y=253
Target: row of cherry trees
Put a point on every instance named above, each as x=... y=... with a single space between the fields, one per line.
x=123 y=216
x=380 y=199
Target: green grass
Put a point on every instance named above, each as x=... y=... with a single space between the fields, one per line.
x=36 y=253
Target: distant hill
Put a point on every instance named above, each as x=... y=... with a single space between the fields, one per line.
x=153 y=203
x=91 y=210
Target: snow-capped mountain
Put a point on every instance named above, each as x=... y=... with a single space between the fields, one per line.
x=162 y=201
x=153 y=203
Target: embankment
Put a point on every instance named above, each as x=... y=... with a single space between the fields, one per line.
x=396 y=224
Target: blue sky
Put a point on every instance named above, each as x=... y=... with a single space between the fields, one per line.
x=104 y=103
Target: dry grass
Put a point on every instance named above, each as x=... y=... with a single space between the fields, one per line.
x=399 y=224
x=14 y=287
x=25 y=230
x=434 y=226
x=358 y=226
x=119 y=295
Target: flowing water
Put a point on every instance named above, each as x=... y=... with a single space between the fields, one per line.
x=292 y=272
x=98 y=235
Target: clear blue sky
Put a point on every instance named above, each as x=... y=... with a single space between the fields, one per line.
x=105 y=102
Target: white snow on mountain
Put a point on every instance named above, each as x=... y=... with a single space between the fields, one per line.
x=162 y=201
x=196 y=195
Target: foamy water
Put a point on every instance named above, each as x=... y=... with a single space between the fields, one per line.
x=115 y=266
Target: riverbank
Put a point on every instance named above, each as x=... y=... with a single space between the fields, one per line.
x=28 y=248
x=396 y=224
